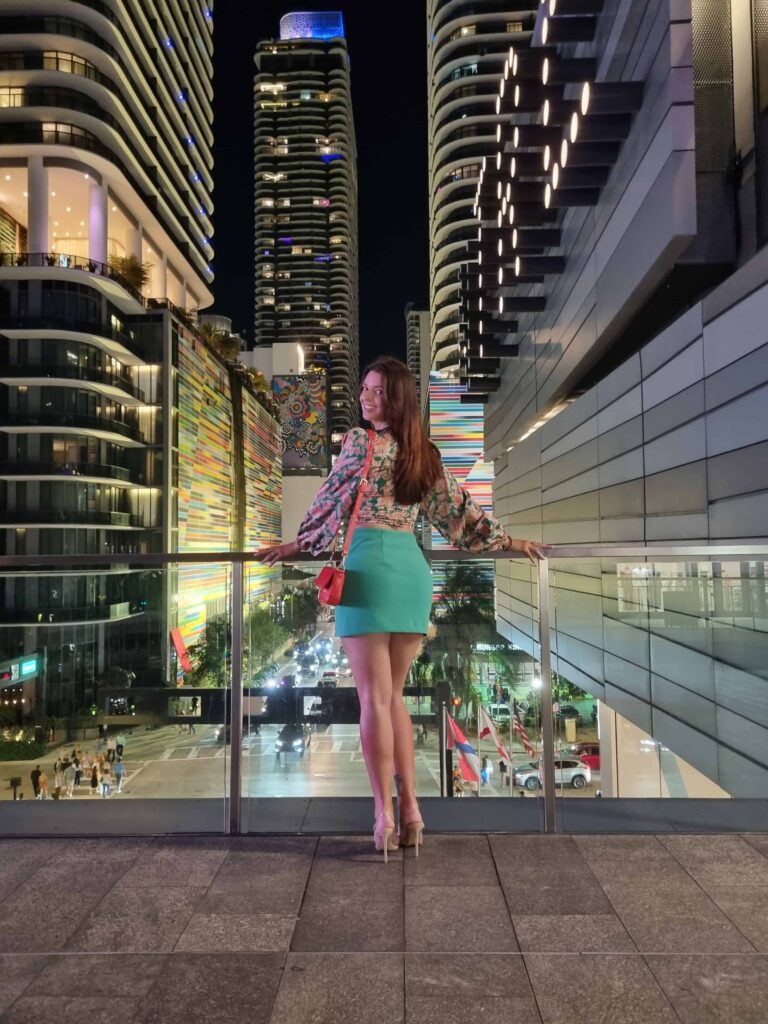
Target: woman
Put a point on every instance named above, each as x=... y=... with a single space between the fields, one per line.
x=384 y=611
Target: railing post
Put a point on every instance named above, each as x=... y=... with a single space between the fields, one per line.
x=236 y=699
x=547 y=729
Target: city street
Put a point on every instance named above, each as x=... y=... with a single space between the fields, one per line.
x=169 y=762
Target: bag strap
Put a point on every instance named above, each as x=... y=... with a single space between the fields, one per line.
x=359 y=500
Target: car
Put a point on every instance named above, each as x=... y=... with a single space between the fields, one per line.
x=589 y=753
x=329 y=678
x=568 y=771
x=499 y=712
x=293 y=739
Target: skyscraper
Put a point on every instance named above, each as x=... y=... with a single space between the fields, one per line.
x=306 y=203
x=105 y=257
x=418 y=353
x=467 y=46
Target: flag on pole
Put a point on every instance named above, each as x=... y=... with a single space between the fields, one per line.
x=487 y=728
x=517 y=726
x=468 y=759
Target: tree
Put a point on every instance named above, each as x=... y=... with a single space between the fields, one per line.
x=265 y=637
x=225 y=345
x=210 y=653
x=131 y=269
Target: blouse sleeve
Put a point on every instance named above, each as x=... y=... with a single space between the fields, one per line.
x=462 y=522
x=336 y=497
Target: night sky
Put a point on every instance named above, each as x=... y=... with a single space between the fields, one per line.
x=389 y=93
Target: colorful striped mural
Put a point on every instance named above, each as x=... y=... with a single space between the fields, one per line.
x=206 y=481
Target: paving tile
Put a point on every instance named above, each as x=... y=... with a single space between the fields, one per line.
x=626 y=849
x=612 y=988
x=177 y=860
x=758 y=840
x=438 y=920
x=128 y=976
x=16 y=974
x=747 y=907
x=543 y=878
x=51 y=1009
x=553 y=889
x=349 y=926
x=237 y=933
x=38 y=918
x=572 y=933
x=451 y=861
x=261 y=875
x=212 y=988
x=520 y=851
x=20 y=858
x=138 y=920
x=452 y=988
x=351 y=865
x=675 y=922
x=719 y=860
x=712 y=989
x=331 y=988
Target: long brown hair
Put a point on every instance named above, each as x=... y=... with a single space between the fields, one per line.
x=418 y=465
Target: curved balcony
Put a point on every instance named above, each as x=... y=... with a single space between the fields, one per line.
x=45 y=371
x=68 y=516
x=66 y=262
x=67 y=323
x=54 y=420
x=71 y=470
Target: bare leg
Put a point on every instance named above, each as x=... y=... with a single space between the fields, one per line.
x=403 y=649
x=369 y=662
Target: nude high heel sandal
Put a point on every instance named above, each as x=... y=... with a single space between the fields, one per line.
x=384 y=833
x=412 y=834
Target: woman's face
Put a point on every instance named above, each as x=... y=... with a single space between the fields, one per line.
x=373 y=398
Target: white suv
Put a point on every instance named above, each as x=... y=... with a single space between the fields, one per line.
x=568 y=771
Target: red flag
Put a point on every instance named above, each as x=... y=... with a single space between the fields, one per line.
x=468 y=759
x=487 y=728
x=517 y=726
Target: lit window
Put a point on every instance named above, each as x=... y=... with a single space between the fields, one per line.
x=273 y=87
x=283 y=307
x=283 y=202
x=305 y=95
x=281 y=150
x=337 y=239
x=514 y=26
x=267 y=202
x=321 y=202
x=11 y=97
x=283 y=275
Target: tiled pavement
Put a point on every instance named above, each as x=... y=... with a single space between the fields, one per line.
x=299 y=930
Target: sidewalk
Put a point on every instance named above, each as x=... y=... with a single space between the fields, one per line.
x=291 y=929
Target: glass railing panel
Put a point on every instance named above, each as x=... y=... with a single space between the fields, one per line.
x=301 y=713
x=114 y=686
x=660 y=684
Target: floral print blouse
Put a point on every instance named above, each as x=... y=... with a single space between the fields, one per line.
x=448 y=507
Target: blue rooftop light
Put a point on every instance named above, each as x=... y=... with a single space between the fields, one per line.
x=312 y=25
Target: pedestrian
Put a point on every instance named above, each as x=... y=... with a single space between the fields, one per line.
x=106 y=781
x=384 y=610
x=78 y=772
x=58 y=777
x=458 y=784
x=70 y=774
x=503 y=772
x=95 y=779
x=43 y=786
x=111 y=749
x=119 y=774
x=120 y=743
x=484 y=772
x=34 y=776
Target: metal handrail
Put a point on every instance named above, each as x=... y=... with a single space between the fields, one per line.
x=554 y=551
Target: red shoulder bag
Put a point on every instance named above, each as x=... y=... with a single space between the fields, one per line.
x=330 y=580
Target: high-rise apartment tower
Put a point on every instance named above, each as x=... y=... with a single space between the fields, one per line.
x=306 y=203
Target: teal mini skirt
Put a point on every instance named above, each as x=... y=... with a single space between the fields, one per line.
x=388 y=586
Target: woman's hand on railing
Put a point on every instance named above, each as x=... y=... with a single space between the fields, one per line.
x=533 y=549
x=278 y=553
